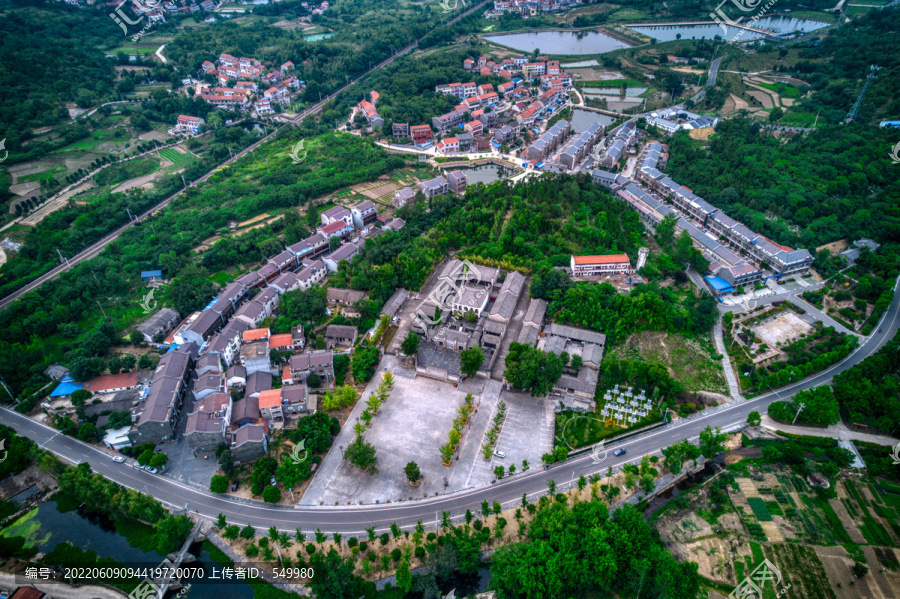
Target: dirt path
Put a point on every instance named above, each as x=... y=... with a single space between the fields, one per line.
x=835 y=431
x=137 y=182
x=38 y=215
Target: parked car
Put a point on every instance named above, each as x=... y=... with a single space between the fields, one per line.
x=138 y=466
x=546 y=466
x=273 y=482
x=619 y=451
x=151 y=470
x=234 y=486
x=499 y=454
x=119 y=459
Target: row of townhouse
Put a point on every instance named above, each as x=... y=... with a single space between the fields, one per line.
x=580 y=145
x=617 y=147
x=454 y=182
x=159 y=410
x=723 y=262
x=463 y=90
x=781 y=259
x=544 y=145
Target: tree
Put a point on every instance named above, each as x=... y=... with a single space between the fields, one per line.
x=220 y=521
x=470 y=360
x=136 y=337
x=410 y=345
x=334 y=577
x=248 y=532
x=577 y=362
x=271 y=494
x=404 y=576
x=532 y=369
x=413 y=474
x=754 y=419
x=226 y=461
x=860 y=569
x=551 y=487
x=362 y=454
x=364 y=363
x=446 y=451
x=821 y=407
x=499 y=471
x=158 y=460
x=171 y=532
x=218 y=484
x=712 y=442
x=313 y=381
x=231 y=532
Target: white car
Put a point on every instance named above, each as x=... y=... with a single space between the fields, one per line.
x=119 y=459
x=499 y=454
x=151 y=470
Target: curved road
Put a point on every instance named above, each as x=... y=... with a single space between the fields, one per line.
x=355 y=519
x=97 y=247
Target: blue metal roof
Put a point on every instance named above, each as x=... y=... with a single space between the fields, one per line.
x=719 y=284
x=151 y=273
x=66 y=387
x=211 y=304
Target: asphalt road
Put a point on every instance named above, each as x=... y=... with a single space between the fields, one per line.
x=355 y=519
x=97 y=247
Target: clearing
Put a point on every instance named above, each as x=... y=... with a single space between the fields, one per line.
x=687 y=360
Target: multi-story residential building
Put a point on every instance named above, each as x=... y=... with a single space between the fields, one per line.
x=456 y=181
x=445 y=122
x=421 y=134
x=319 y=363
x=345 y=252
x=311 y=274
x=188 y=124
x=434 y=188
x=448 y=145
x=400 y=130
x=403 y=196
x=364 y=214
x=313 y=246
x=337 y=213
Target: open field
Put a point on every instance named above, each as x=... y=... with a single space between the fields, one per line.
x=687 y=360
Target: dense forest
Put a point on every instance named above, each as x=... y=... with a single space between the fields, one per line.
x=833 y=183
x=837 y=67
x=869 y=393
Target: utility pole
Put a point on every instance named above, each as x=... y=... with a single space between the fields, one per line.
x=800 y=409
x=183 y=181
x=130 y=215
x=105 y=317
x=63 y=259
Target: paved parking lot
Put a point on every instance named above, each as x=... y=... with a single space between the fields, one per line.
x=527 y=434
x=410 y=427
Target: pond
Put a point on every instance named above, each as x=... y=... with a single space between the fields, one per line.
x=560 y=42
x=317 y=37
x=46 y=526
x=775 y=24
x=484 y=173
x=581 y=119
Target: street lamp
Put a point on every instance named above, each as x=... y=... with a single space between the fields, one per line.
x=341 y=447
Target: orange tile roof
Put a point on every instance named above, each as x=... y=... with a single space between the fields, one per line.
x=111 y=381
x=283 y=340
x=270 y=398
x=607 y=259
x=286 y=373
x=255 y=334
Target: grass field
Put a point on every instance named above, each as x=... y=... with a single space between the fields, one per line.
x=784 y=90
x=175 y=156
x=688 y=360
x=44 y=175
